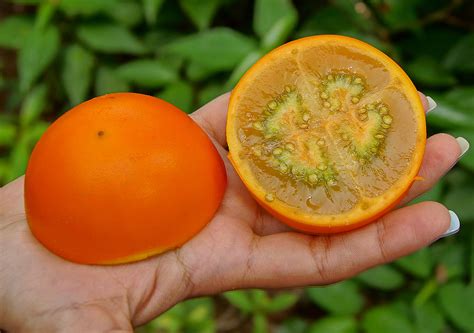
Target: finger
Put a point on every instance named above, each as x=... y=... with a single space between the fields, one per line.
x=442 y=152
x=212 y=118
x=424 y=101
x=293 y=259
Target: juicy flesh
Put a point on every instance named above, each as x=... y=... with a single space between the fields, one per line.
x=326 y=139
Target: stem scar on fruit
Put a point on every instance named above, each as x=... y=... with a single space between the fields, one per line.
x=327 y=133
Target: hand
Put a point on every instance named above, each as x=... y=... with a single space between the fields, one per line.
x=241 y=247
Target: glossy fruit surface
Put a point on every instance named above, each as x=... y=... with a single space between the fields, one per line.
x=327 y=133
x=121 y=177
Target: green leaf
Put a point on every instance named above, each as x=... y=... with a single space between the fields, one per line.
x=260 y=299
x=279 y=32
x=88 y=7
x=127 y=12
x=327 y=20
x=398 y=14
x=419 y=264
x=382 y=277
x=197 y=72
x=33 y=105
x=147 y=73
x=450 y=113
x=293 y=325
x=110 y=38
x=461 y=56
x=467 y=159
x=209 y=92
x=179 y=94
x=386 y=319
x=456 y=299
x=343 y=298
x=36 y=54
x=281 y=302
x=240 y=299
x=260 y=324
x=76 y=73
x=14 y=30
x=151 y=8
x=7 y=133
x=200 y=12
x=18 y=159
x=427 y=71
x=462 y=96
x=216 y=49
x=107 y=81
x=451 y=258
x=268 y=12
x=44 y=14
x=35 y=131
x=428 y=319
x=334 y=324
x=242 y=67
x=459 y=199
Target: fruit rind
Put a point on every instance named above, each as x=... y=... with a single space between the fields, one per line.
x=314 y=223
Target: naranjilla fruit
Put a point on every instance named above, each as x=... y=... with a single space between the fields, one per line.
x=121 y=177
x=327 y=132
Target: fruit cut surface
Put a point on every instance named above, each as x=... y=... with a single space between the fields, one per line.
x=327 y=132
x=121 y=177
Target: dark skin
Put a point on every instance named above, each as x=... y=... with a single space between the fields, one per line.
x=242 y=247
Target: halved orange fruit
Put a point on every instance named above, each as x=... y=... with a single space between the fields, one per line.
x=327 y=132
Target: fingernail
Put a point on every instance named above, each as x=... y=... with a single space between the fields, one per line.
x=463 y=144
x=431 y=104
x=453 y=226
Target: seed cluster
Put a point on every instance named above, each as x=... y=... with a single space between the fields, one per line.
x=334 y=84
x=376 y=121
x=290 y=149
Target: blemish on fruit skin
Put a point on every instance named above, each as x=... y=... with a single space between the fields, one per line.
x=100 y=133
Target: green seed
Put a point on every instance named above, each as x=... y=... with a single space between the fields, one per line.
x=258 y=125
x=330 y=77
x=288 y=89
x=272 y=105
x=269 y=197
x=383 y=110
x=373 y=150
x=324 y=95
x=362 y=111
x=370 y=106
x=358 y=80
x=304 y=126
x=327 y=104
x=332 y=182
x=322 y=167
x=312 y=178
x=257 y=151
x=290 y=146
x=321 y=142
x=355 y=100
x=306 y=117
x=387 y=119
x=277 y=151
x=379 y=136
x=363 y=117
x=385 y=126
x=283 y=167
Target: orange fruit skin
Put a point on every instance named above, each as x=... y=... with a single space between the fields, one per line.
x=325 y=227
x=121 y=177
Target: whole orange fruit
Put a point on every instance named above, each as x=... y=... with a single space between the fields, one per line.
x=327 y=132
x=121 y=177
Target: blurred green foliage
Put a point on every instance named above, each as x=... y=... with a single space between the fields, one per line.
x=56 y=54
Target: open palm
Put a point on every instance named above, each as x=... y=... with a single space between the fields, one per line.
x=241 y=247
